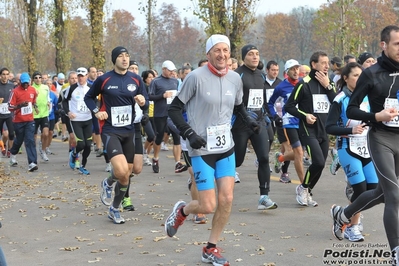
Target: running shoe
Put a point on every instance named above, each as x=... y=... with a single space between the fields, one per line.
x=115 y=216
x=360 y=224
x=175 y=219
x=32 y=167
x=395 y=256
x=49 y=152
x=164 y=147
x=13 y=160
x=43 y=155
x=147 y=162
x=108 y=168
x=4 y=152
x=256 y=163
x=179 y=167
x=155 y=166
x=277 y=163
x=339 y=225
x=127 y=204
x=84 y=171
x=77 y=163
x=106 y=193
x=65 y=138
x=199 y=219
x=99 y=152
x=265 y=203
x=353 y=234
x=302 y=195
x=335 y=165
x=284 y=178
x=212 y=255
x=237 y=178
x=311 y=202
x=72 y=159
x=307 y=161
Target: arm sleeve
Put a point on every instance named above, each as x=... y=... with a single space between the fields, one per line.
x=92 y=93
x=363 y=85
x=333 y=120
x=65 y=101
x=175 y=114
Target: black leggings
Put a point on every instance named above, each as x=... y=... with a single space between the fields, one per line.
x=10 y=127
x=260 y=143
x=83 y=132
x=160 y=129
x=384 y=152
x=318 y=151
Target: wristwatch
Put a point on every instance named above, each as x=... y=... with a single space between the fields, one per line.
x=96 y=110
x=329 y=87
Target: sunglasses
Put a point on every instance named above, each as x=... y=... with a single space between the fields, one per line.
x=37 y=77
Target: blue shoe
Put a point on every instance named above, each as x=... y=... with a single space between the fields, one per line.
x=115 y=216
x=84 y=170
x=72 y=160
x=106 y=193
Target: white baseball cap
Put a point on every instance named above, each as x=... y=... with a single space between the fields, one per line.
x=215 y=39
x=291 y=63
x=81 y=71
x=169 y=65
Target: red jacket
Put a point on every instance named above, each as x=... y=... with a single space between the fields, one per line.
x=18 y=96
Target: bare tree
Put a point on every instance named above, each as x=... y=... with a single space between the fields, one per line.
x=148 y=8
x=231 y=18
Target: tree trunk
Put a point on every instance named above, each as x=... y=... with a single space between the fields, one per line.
x=59 y=37
x=31 y=44
x=150 y=35
x=97 y=36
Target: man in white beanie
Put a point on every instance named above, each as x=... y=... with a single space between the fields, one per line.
x=210 y=94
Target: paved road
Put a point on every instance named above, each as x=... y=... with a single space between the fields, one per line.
x=54 y=217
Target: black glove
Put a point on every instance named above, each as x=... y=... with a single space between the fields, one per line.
x=278 y=121
x=23 y=104
x=145 y=119
x=252 y=124
x=196 y=142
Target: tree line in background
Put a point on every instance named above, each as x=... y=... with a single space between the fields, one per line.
x=47 y=35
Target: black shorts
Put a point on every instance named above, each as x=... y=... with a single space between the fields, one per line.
x=118 y=143
x=138 y=145
x=187 y=158
x=280 y=135
x=42 y=123
x=51 y=125
x=293 y=137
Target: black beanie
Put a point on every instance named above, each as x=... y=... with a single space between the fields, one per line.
x=363 y=57
x=116 y=52
x=246 y=49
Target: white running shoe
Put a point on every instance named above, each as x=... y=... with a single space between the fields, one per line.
x=302 y=195
x=237 y=178
x=265 y=203
x=108 y=168
x=353 y=234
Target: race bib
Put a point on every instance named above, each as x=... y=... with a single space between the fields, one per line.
x=27 y=109
x=121 y=115
x=255 y=99
x=82 y=108
x=218 y=137
x=4 y=108
x=321 y=104
x=358 y=145
x=170 y=99
x=389 y=103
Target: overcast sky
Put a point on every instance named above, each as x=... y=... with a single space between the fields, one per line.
x=264 y=6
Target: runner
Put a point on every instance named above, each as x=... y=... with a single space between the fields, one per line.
x=210 y=94
x=120 y=90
